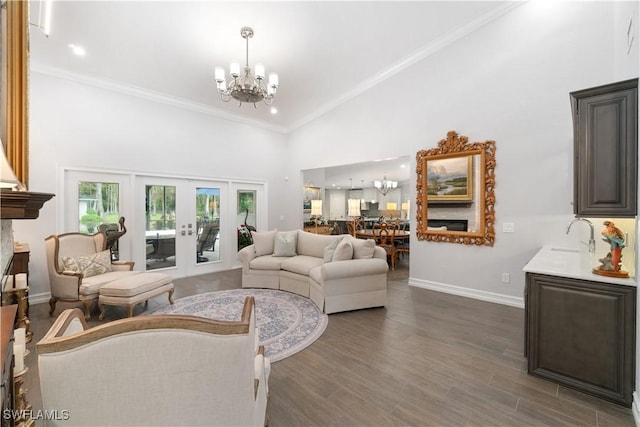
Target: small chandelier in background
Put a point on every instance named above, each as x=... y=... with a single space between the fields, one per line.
x=244 y=87
x=385 y=186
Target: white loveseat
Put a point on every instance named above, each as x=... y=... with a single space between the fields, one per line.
x=158 y=370
x=338 y=273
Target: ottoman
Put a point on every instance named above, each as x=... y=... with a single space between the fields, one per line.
x=134 y=289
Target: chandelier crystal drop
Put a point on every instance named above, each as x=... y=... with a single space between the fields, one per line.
x=385 y=186
x=243 y=86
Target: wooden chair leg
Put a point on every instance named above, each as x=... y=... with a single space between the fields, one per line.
x=103 y=311
x=87 y=309
x=52 y=305
x=171 y=296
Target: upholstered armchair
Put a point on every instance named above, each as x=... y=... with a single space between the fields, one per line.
x=79 y=265
x=155 y=370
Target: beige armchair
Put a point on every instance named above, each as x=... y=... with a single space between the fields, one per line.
x=79 y=265
x=155 y=370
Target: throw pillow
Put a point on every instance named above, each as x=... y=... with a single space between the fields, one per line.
x=363 y=248
x=90 y=265
x=330 y=249
x=285 y=244
x=344 y=251
x=263 y=241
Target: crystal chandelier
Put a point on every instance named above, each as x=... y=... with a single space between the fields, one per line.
x=244 y=87
x=385 y=186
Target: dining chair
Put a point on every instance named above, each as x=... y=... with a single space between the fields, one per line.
x=384 y=236
x=351 y=228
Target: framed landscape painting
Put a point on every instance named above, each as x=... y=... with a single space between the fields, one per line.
x=450 y=179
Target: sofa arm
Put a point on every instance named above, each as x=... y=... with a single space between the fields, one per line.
x=353 y=268
x=66 y=284
x=70 y=322
x=246 y=254
x=262 y=369
x=379 y=253
x=122 y=265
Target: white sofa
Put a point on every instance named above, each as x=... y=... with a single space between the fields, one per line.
x=159 y=370
x=338 y=273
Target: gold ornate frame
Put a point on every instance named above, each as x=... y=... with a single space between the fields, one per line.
x=14 y=38
x=458 y=146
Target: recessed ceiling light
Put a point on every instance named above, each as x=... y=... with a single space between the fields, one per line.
x=402 y=166
x=274 y=110
x=77 y=49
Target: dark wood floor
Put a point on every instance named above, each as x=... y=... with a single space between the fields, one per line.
x=427 y=359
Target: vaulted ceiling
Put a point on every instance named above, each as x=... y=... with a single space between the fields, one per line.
x=324 y=52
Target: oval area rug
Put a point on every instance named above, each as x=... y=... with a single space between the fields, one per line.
x=287 y=323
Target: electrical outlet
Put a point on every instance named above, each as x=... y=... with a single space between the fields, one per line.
x=505 y=278
x=508 y=227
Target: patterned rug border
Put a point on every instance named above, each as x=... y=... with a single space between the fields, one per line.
x=301 y=304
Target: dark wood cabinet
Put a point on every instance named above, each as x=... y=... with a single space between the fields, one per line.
x=605 y=127
x=582 y=334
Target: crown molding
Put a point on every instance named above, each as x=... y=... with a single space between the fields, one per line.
x=428 y=50
x=149 y=95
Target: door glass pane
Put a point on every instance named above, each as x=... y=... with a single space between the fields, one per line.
x=99 y=210
x=160 y=231
x=207 y=224
x=246 y=217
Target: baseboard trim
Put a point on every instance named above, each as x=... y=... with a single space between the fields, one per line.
x=468 y=292
x=39 y=298
x=635 y=409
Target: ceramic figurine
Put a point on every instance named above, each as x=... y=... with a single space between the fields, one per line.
x=610 y=264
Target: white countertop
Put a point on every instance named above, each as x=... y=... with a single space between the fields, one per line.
x=570 y=262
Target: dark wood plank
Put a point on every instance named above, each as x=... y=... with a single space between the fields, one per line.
x=427 y=359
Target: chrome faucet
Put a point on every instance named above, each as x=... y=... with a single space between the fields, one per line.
x=592 y=242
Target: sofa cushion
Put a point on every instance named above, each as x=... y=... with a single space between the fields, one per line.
x=329 y=250
x=135 y=284
x=301 y=264
x=316 y=274
x=266 y=262
x=263 y=241
x=89 y=265
x=91 y=285
x=344 y=251
x=285 y=243
x=311 y=244
x=363 y=249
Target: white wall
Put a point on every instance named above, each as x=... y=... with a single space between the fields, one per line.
x=510 y=82
x=76 y=125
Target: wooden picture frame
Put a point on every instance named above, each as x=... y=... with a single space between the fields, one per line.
x=450 y=179
x=483 y=206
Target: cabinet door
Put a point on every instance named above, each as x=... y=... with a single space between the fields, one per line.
x=605 y=148
x=582 y=334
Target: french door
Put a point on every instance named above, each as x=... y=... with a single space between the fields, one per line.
x=179 y=226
